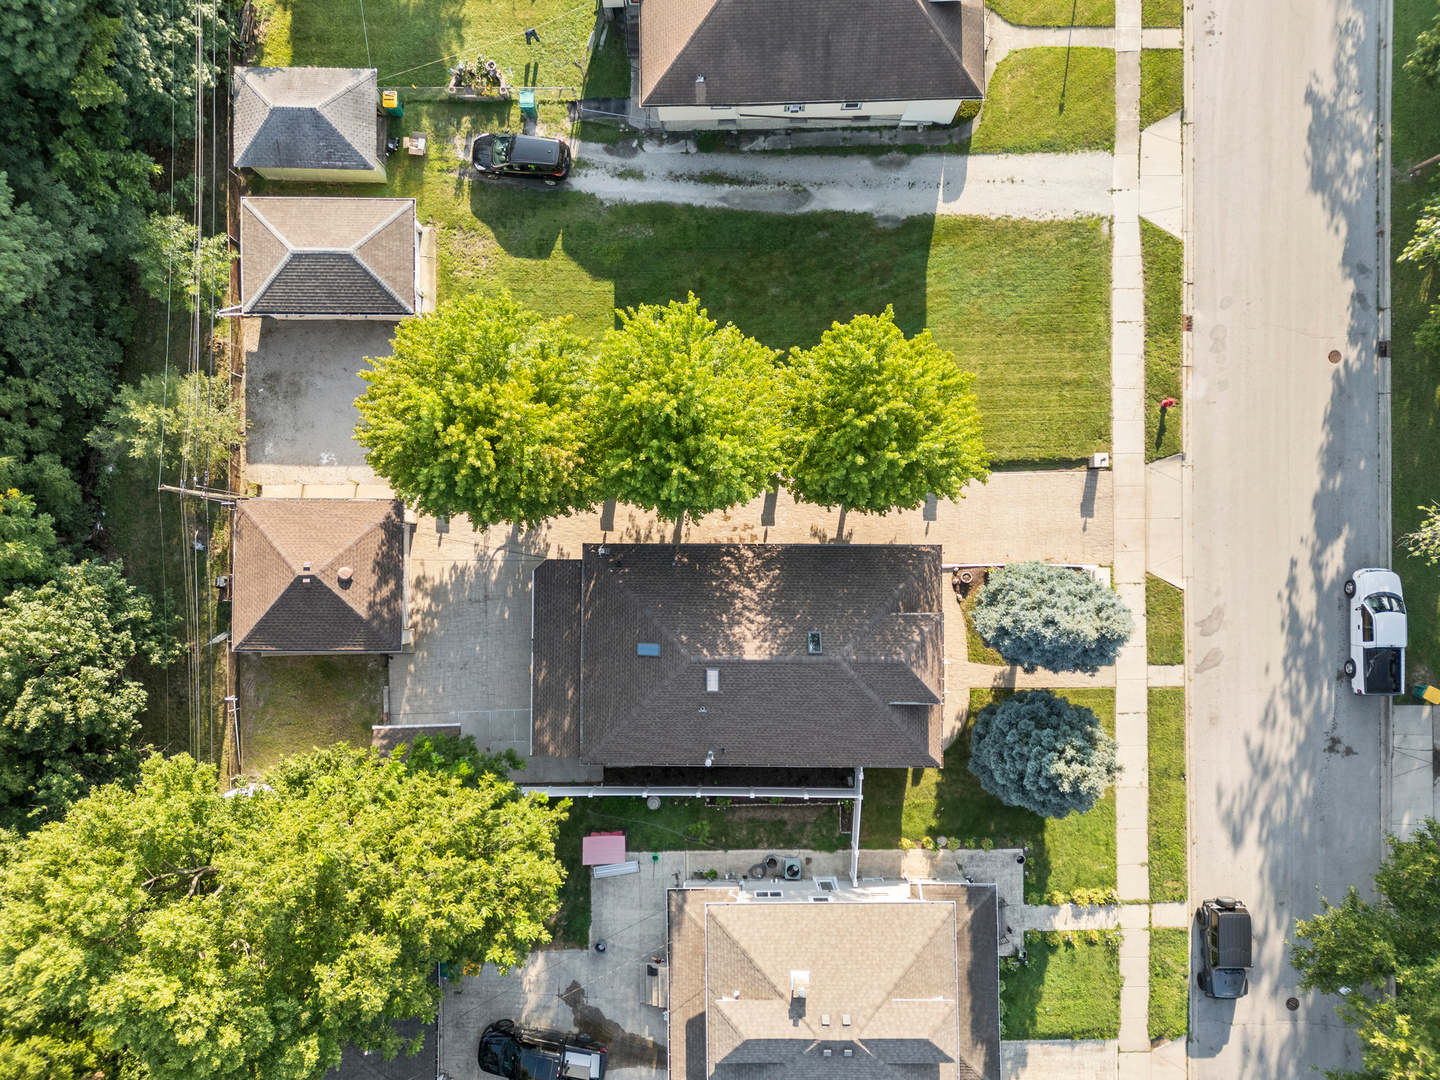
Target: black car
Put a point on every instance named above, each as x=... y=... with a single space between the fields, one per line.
x=508 y=1050
x=1224 y=948
x=521 y=155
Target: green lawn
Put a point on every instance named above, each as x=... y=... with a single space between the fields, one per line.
x=1168 y=834
x=1163 y=260
x=1162 y=12
x=1415 y=373
x=1076 y=852
x=1049 y=100
x=416 y=47
x=1169 y=984
x=1162 y=84
x=1055 y=12
x=1164 y=622
x=681 y=825
x=1064 y=990
x=293 y=704
x=1024 y=304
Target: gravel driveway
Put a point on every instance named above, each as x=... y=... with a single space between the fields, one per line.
x=895 y=185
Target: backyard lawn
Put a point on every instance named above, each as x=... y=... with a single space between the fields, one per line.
x=410 y=47
x=1415 y=372
x=1164 y=622
x=1049 y=100
x=1075 y=852
x=1163 y=262
x=681 y=825
x=1055 y=12
x=1068 y=988
x=1169 y=983
x=1162 y=84
x=1024 y=304
x=1168 y=847
x=293 y=704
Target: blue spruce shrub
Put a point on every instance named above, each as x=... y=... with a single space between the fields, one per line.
x=1041 y=752
x=1037 y=615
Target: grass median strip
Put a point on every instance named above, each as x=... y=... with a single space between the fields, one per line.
x=1169 y=984
x=1162 y=12
x=1162 y=258
x=1055 y=12
x=1049 y=100
x=1075 y=852
x=1068 y=987
x=1164 y=622
x=1162 y=84
x=1167 y=794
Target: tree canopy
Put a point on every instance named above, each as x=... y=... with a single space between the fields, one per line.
x=1039 y=751
x=190 y=420
x=685 y=416
x=170 y=932
x=28 y=550
x=1038 y=615
x=67 y=711
x=1358 y=946
x=477 y=413
x=876 y=421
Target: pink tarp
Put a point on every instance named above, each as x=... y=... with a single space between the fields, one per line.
x=602 y=849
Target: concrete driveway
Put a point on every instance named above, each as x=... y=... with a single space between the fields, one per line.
x=301 y=382
x=1288 y=473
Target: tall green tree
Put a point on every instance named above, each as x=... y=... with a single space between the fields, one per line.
x=189 y=420
x=68 y=714
x=476 y=412
x=1356 y=948
x=685 y=415
x=179 y=266
x=170 y=932
x=877 y=422
x=28 y=554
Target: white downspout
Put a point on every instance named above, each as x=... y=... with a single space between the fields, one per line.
x=855 y=827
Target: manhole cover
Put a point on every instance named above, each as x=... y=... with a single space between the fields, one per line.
x=1334 y=356
x=1292 y=1004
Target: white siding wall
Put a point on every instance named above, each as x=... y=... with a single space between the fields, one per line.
x=327 y=176
x=828 y=114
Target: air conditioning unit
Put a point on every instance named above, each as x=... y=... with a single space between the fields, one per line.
x=793 y=869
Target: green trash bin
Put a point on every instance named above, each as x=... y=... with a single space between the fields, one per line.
x=527 y=104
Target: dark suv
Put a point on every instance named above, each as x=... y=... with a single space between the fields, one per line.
x=508 y=1050
x=520 y=155
x=1224 y=948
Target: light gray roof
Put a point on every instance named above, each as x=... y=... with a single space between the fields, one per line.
x=321 y=256
x=758 y=52
x=307 y=118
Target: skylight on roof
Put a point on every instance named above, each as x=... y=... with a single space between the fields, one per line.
x=712 y=680
x=648 y=648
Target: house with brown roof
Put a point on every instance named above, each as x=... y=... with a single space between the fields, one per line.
x=713 y=660
x=708 y=64
x=309 y=124
x=320 y=576
x=323 y=258
x=883 y=982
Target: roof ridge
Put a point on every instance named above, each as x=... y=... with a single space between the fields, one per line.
x=944 y=41
x=885 y=706
x=342 y=91
x=265 y=608
x=408 y=305
x=714 y=6
x=261 y=289
x=887 y=609
x=919 y=953
x=341 y=554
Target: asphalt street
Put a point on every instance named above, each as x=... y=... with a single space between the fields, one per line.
x=1287 y=475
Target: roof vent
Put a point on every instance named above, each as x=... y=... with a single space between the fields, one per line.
x=848 y=1052
x=647 y=648
x=827 y=1051
x=813 y=638
x=305 y=581
x=712 y=680
x=306 y=567
x=844 y=1019
x=346 y=575
x=799 y=984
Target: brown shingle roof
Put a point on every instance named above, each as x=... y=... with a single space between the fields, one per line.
x=321 y=256
x=307 y=118
x=280 y=607
x=903 y=972
x=758 y=52
x=871 y=697
x=555 y=704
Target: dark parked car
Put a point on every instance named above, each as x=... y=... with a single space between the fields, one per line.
x=1224 y=948
x=520 y=1053
x=521 y=155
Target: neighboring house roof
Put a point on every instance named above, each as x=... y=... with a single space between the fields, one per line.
x=357 y=1064
x=758 y=52
x=907 y=986
x=290 y=590
x=871 y=697
x=322 y=256
x=307 y=118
